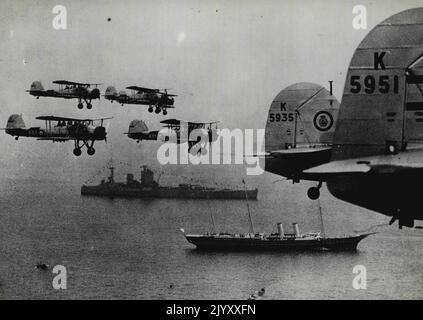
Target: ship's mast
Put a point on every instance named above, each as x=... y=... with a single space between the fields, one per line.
x=248 y=208
x=112 y=174
x=322 y=225
x=211 y=214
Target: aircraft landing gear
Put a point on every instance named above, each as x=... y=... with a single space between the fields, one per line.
x=203 y=151
x=157 y=110
x=314 y=192
x=77 y=152
x=150 y=109
x=164 y=112
x=402 y=221
x=80 y=105
x=90 y=151
x=89 y=105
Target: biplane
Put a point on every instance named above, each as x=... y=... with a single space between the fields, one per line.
x=181 y=131
x=60 y=129
x=68 y=90
x=157 y=100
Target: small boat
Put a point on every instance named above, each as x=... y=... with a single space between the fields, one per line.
x=41 y=266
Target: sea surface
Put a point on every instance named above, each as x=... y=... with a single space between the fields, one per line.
x=134 y=249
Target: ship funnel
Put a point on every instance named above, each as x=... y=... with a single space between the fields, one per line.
x=296 y=229
x=280 y=230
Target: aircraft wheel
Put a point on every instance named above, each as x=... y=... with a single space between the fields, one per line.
x=313 y=193
x=164 y=112
x=77 y=152
x=90 y=151
x=80 y=105
x=157 y=110
x=193 y=152
x=203 y=151
x=150 y=109
x=89 y=105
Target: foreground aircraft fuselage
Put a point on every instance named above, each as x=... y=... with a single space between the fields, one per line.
x=59 y=129
x=377 y=157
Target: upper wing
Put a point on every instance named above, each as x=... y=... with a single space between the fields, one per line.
x=69 y=82
x=66 y=82
x=179 y=121
x=203 y=122
x=54 y=118
x=298 y=151
x=173 y=122
x=142 y=89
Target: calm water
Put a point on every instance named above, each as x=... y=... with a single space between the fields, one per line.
x=133 y=249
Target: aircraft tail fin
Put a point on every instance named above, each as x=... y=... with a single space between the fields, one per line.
x=36 y=86
x=15 y=121
x=110 y=92
x=301 y=114
x=382 y=106
x=137 y=126
x=15 y=125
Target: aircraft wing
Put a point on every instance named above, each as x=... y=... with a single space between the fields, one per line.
x=177 y=122
x=66 y=82
x=408 y=160
x=54 y=118
x=55 y=138
x=203 y=122
x=297 y=151
x=173 y=122
x=141 y=89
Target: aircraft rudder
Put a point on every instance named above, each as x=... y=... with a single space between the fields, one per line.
x=110 y=92
x=137 y=126
x=15 y=121
x=36 y=86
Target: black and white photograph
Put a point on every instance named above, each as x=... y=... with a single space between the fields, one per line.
x=211 y=151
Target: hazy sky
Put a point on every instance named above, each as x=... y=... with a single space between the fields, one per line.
x=226 y=60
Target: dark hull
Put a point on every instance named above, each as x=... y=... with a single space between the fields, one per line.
x=167 y=192
x=214 y=243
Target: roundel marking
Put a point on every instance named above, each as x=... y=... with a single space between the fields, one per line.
x=323 y=121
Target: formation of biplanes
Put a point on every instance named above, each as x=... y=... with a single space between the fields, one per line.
x=367 y=149
x=84 y=132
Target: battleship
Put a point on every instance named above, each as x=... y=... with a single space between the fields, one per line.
x=147 y=187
